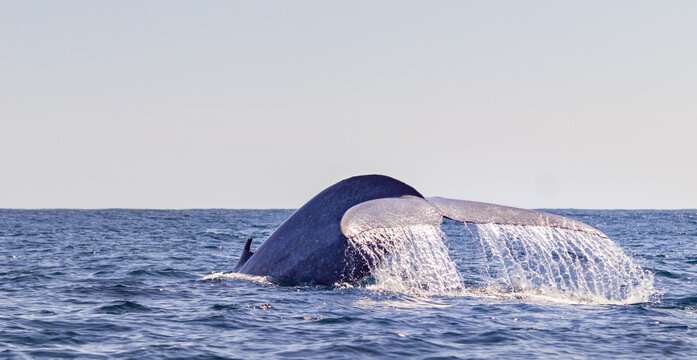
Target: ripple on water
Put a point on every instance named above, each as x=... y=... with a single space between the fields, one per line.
x=128 y=284
x=123 y=307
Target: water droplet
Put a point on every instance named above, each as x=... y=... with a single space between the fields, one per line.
x=411 y=259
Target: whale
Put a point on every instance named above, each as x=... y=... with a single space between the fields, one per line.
x=312 y=245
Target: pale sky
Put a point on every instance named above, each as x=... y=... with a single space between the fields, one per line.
x=262 y=104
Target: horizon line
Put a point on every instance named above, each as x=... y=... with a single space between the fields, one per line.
x=280 y=208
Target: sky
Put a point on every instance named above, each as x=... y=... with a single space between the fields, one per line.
x=262 y=104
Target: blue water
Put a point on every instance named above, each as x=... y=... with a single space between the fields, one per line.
x=129 y=284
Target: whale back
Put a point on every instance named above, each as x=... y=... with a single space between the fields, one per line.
x=310 y=247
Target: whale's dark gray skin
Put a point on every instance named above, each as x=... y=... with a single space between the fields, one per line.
x=246 y=254
x=312 y=245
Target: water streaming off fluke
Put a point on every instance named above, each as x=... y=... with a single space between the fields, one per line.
x=524 y=260
x=411 y=259
x=561 y=261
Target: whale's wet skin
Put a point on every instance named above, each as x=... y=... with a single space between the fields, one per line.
x=350 y=229
x=375 y=226
x=129 y=284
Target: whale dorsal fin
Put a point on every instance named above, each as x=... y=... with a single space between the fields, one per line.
x=246 y=254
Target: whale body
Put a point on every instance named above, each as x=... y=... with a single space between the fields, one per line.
x=309 y=246
x=312 y=245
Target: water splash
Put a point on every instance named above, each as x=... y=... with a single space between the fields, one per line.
x=563 y=263
x=222 y=275
x=409 y=260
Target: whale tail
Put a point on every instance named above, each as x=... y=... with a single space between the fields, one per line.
x=246 y=254
x=403 y=211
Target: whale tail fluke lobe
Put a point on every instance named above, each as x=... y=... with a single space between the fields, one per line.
x=408 y=210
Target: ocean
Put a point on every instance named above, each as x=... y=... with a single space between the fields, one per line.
x=120 y=283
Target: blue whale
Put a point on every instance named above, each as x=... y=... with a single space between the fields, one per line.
x=312 y=245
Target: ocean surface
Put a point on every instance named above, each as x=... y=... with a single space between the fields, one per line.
x=157 y=284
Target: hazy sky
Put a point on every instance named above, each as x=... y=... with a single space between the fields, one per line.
x=258 y=104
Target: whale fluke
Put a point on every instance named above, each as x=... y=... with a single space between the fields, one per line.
x=483 y=213
x=312 y=245
x=389 y=213
x=406 y=211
